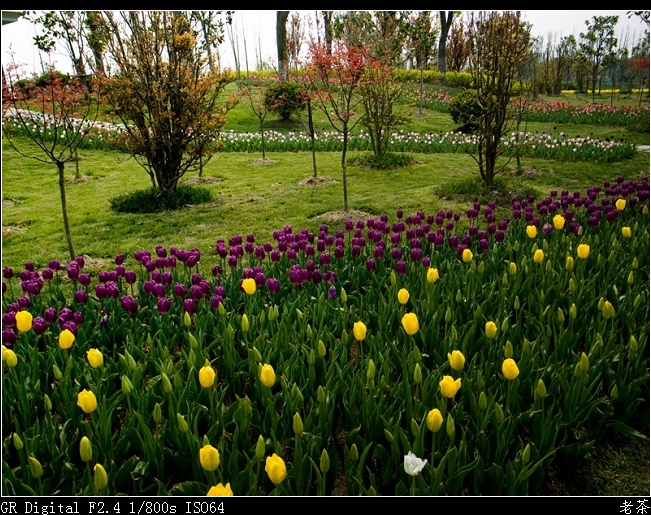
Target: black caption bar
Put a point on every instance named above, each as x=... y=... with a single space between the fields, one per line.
x=234 y=506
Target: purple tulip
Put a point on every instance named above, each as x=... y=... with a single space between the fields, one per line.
x=7 y=272
x=189 y=306
x=130 y=276
x=80 y=262
x=426 y=261
x=70 y=326
x=112 y=290
x=84 y=279
x=401 y=267
x=370 y=265
x=29 y=266
x=8 y=337
x=9 y=319
x=81 y=297
x=273 y=285
x=453 y=241
x=164 y=305
x=73 y=272
x=119 y=259
x=275 y=256
x=483 y=245
x=50 y=315
x=78 y=317
x=339 y=252
x=180 y=290
x=39 y=325
x=499 y=236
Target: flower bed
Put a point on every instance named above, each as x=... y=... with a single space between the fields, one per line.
x=392 y=357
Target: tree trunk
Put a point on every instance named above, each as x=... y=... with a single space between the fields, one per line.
x=343 y=167
x=262 y=138
x=310 y=125
x=445 y=27
x=420 y=106
x=327 y=25
x=64 y=209
x=281 y=42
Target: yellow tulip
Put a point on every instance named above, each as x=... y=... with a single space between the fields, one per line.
x=513 y=268
x=538 y=256
x=403 y=296
x=532 y=232
x=491 y=330
x=248 y=285
x=101 y=477
x=206 y=376
x=559 y=222
x=432 y=275
x=410 y=323
x=466 y=256
x=85 y=449
x=359 y=330
x=275 y=469
x=434 y=420
x=267 y=376
x=95 y=358
x=66 y=338
x=449 y=387
x=9 y=357
x=583 y=251
x=626 y=232
x=209 y=458
x=620 y=204
x=23 y=321
x=510 y=369
x=569 y=263
x=86 y=401
x=220 y=490
x=457 y=360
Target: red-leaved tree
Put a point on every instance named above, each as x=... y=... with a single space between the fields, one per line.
x=335 y=79
x=54 y=113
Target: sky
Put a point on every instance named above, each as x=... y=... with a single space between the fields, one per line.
x=258 y=28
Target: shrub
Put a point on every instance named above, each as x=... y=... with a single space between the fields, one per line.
x=285 y=98
x=385 y=161
x=465 y=107
x=152 y=201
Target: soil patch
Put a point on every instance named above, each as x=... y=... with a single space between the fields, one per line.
x=262 y=162
x=78 y=180
x=11 y=230
x=316 y=181
x=202 y=180
x=340 y=217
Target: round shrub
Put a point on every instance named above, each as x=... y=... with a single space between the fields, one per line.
x=465 y=107
x=153 y=201
x=285 y=98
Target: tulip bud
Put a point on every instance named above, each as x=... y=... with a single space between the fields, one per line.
x=480 y=379
x=632 y=343
x=415 y=428
x=18 y=443
x=324 y=462
x=578 y=372
x=344 y=297
x=569 y=263
x=541 y=391
x=183 y=425
x=505 y=325
x=549 y=329
x=600 y=306
x=248 y=408
x=257 y=357
x=101 y=478
x=169 y=366
x=193 y=341
x=57 y=372
x=614 y=392
x=615 y=291
x=449 y=426
x=187 y=321
x=418 y=375
x=448 y=315
x=526 y=346
x=47 y=402
x=573 y=311
x=561 y=316
x=516 y=246
x=311 y=357
x=245 y=323
x=415 y=354
x=516 y=303
x=298 y=425
x=167 y=385
x=505 y=280
x=508 y=350
x=635 y=263
x=458 y=297
x=221 y=309
x=585 y=362
x=308 y=330
x=631 y=278
x=37 y=384
x=263 y=317
x=637 y=301
x=545 y=246
x=453 y=334
x=320 y=394
x=526 y=454
x=548 y=267
x=178 y=382
x=482 y=401
x=611 y=257
x=297 y=395
x=392 y=278
x=126 y=385
x=513 y=268
x=370 y=370
x=85 y=450
x=158 y=414
x=480 y=268
x=541 y=297
x=499 y=413
x=35 y=467
x=354 y=453
x=131 y=363
x=388 y=435
x=259 y=448
x=321 y=349
x=299 y=314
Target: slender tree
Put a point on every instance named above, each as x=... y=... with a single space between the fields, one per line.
x=598 y=44
x=56 y=115
x=281 y=43
x=446 y=23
